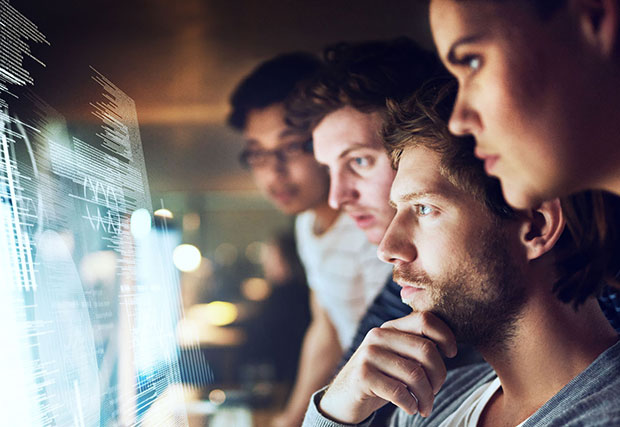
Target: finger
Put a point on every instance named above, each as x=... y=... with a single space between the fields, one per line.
x=428 y=325
x=411 y=347
x=389 y=389
x=405 y=371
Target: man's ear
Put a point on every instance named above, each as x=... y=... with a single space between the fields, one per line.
x=542 y=229
x=599 y=22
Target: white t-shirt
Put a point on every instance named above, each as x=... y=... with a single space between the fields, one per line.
x=342 y=269
x=470 y=410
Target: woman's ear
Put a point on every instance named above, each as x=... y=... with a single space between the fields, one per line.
x=599 y=23
x=542 y=228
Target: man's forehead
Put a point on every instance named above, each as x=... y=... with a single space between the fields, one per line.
x=338 y=142
x=419 y=175
x=338 y=154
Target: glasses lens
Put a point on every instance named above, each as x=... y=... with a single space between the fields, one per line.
x=254 y=158
x=246 y=158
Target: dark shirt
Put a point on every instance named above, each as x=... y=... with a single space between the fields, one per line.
x=386 y=306
x=610 y=304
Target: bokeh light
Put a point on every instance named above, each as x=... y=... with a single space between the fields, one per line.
x=191 y=222
x=163 y=213
x=217 y=396
x=225 y=254
x=186 y=258
x=216 y=313
x=254 y=252
x=140 y=223
x=255 y=289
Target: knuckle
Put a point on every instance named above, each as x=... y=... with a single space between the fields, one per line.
x=417 y=373
x=372 y=351
x=374 y=334
x=425 y=319
x=365 y=370
x=427 y=348
x=399 y=391
x=368 y=351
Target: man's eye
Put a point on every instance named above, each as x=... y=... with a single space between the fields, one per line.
x=361 y=162
x=256 y=157
x=423 y=210
x=293 y=149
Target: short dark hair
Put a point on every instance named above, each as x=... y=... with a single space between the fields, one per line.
x=422 y=120
x=269 y=83
x=362 y=75
x=588 y=251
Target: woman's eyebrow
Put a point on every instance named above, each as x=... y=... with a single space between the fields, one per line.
x=465 y=40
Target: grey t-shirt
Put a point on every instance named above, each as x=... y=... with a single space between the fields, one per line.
x=592 y=398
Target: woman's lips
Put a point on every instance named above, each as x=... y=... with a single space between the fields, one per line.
x=489 y=160
x=489 y=163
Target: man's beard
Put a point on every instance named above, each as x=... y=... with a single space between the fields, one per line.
x=480 y=301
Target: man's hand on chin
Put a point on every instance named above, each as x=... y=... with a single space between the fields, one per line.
x=399 y=363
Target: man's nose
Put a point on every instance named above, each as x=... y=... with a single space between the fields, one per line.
x=397 y=244
x=276 y=165
x=341 y=190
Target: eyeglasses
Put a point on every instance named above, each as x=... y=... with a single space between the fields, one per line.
x=251 y=159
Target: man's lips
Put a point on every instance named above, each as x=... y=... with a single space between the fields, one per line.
x=407 y=293
x=362 y=220
x=409 y=290
x=283 y=195
x=489 y=160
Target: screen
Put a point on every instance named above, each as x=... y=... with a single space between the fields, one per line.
x=89 y=297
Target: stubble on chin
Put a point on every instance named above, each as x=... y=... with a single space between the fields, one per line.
x=481 y=302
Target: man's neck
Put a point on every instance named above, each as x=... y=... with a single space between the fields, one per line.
x=325 y=217
x=553 y=344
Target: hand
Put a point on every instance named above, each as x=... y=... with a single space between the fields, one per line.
x=399 y=363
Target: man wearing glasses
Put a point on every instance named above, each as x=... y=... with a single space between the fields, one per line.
x=342 y=268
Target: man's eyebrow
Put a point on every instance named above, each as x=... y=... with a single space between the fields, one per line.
x=416 y=195
x=451 y=57
x=356 y=146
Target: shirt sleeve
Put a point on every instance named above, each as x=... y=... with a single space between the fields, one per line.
x=314 y=418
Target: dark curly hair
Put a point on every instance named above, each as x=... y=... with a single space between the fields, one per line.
x=588 y=251
x=269 y=83
x=362 y=75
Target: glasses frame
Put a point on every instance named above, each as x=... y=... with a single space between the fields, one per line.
x=282 y=155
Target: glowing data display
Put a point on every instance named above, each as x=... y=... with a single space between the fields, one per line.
x=89 y=298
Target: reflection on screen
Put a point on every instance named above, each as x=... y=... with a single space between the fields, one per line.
x=89 y=300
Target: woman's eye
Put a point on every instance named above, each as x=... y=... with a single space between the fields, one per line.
x=472 y=62
x=424 y=210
